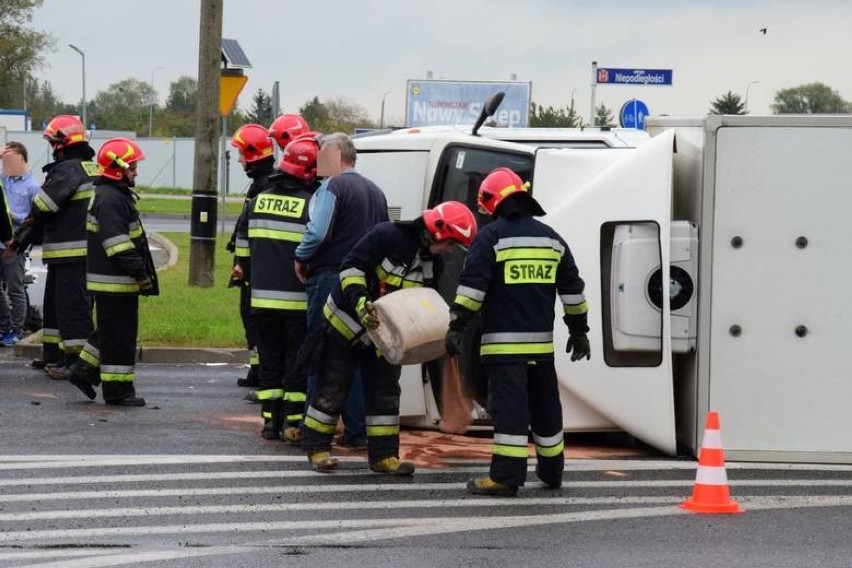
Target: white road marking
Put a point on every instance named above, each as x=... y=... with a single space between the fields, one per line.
x=403 y=486
x=332 y=506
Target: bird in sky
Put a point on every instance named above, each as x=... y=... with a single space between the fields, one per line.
x=763 y=31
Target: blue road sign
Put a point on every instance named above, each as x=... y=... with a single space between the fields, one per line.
x=633 y=114
x=638 y=77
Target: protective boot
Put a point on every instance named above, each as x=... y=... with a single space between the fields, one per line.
x=273 y=419
x=252 y=378
x=322 y=461
x=392 y=466
x=550 y=483
x=292 y=435
x=487 y=486
x=128 y=401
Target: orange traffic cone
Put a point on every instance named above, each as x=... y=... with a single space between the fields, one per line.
x=710 y=493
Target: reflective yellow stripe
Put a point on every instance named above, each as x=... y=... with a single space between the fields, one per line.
x=294 y=417
x=577 y=309
x=509 y=451
x=85 y=194
x=92 y=227
x=120 y=247
x=318 y=426
x=468 y=303
x=89 y=358
x=242 y=252
x=254 y=359
x=117 y=377
x=295 y=396
x=382 y=430
x=516 y=348
x=136 y=233
x=50 y=339
x=270 y=394
x=528 y=253
x=280 y=205
x=111 y=287
x=549 y=452
x=337 y=323
x=279 y=304
x=63 y=253
x=276 y=235
x=353 y=280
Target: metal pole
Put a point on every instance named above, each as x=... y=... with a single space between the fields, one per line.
x=745 y=103
x=594 y=86
x=153 y=100
x=174 y=162
x=83 y=104
x=382 y=114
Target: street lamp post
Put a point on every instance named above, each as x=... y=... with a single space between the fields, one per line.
x=382 y=113
x=83 y=105
x=153 y=100
x=745 y=102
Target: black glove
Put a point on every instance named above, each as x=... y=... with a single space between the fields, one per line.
x=231 y=245
x=366 y=313
x=578 y=346
x=453 y=341
x=145 y=285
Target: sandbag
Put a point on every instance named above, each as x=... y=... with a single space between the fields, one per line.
x=412 y=326
x=456 y=403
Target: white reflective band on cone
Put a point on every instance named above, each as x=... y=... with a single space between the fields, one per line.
x=712 y=439
x=708 y=475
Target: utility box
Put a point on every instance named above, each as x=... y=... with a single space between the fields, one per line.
x=772 y=200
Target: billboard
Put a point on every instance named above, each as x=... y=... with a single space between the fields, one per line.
x=634 y=76
x=429 y=103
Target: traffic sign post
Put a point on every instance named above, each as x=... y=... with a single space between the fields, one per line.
x=633 y=114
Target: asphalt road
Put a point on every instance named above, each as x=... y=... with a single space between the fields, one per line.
x=187 y=482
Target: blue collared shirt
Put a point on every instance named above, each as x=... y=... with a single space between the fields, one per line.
x=20 y=191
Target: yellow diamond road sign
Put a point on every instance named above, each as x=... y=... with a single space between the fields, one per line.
x=230 y=87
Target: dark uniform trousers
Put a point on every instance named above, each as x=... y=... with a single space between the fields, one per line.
x=381 y=390
x=245 y=316
x=67 y=316
x=279 y=337
x=520 y=395
x=118 y=322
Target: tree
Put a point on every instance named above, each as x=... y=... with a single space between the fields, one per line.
x=603 y=116
x=336 y=115
x=729 y=103
x=261 y=111
x=811 y=98
x=178 y=118
x=123 y=106
x=551 y=117
x=21 y=49
x=42 y=103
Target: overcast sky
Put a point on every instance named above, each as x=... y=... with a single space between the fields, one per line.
x=360 y=49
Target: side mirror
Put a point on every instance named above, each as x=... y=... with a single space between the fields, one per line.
x=491 y=105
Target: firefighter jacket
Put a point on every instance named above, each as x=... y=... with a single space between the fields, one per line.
x=60 y=206
x=276 y=223
x=390 y=257
x=259 y=175
x=118 y=253
x=515 y=267
x=6 y=226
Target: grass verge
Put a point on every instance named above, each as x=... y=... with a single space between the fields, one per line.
x=184 y=316
x=152 y=205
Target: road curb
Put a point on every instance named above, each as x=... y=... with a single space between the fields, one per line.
x=156 y=355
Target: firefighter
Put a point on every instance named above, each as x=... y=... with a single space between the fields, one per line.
x=287 y=127
x=393 y=255
x=59 y=214
x=119 y=269
x=515 y=268
x=276 y=223
x=258 y=161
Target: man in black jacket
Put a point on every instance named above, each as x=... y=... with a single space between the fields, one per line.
x=59 y=213
x=392 y=256
x=515 y=268
x=119 y=269
x=276 y=223
x=255 y=150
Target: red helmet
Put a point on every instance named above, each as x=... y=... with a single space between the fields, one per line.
x=116 y=155
x=300 y=157
x=497 y=186
x=451 y=220
x=252 y=142
x=64 y=130
x=287 y=127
